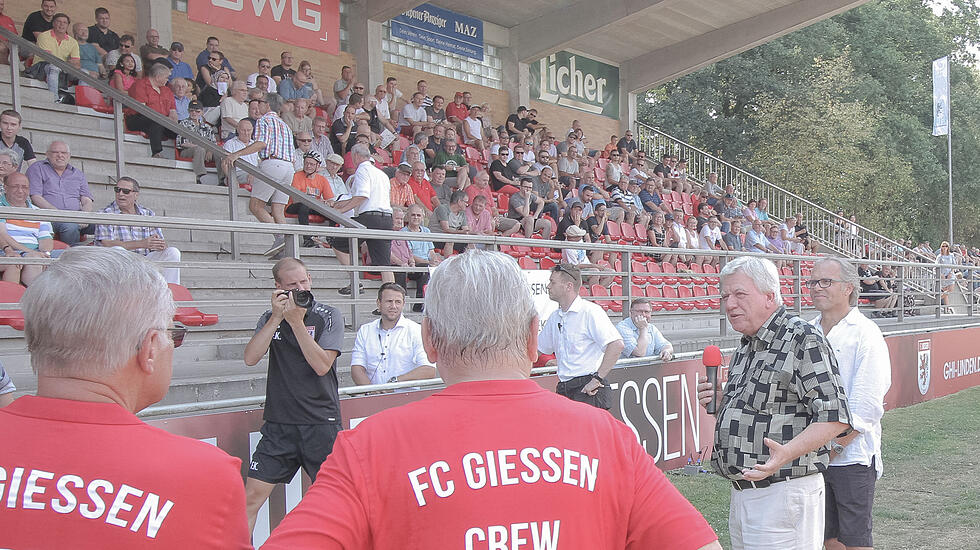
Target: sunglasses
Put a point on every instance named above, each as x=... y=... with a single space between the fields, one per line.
x=118 y=189
x=304 y=140
x=177 y=334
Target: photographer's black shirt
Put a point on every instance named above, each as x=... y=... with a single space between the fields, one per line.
x=295 y=394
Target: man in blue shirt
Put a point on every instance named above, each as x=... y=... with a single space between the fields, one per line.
x=211 y=47
x=640 y=337
x=180 y=69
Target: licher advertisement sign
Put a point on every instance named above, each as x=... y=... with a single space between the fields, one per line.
x=441 y=29
x=312 y=24
x=574 y=80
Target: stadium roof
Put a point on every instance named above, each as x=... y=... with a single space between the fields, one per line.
x=653 y=41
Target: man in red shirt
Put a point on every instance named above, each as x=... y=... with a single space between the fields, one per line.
x=502 y=462
x=78 y=468
x=152 y=91
x=7 y=23
x=422 y=188
x=457 y=110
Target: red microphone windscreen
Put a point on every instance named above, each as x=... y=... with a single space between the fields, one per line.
x=711 y=356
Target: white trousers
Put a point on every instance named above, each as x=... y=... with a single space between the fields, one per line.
x=783 y=516
x=169 y=254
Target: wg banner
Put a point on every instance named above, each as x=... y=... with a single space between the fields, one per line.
x=312 y=24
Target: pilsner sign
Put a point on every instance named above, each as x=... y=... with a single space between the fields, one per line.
x=573 y=80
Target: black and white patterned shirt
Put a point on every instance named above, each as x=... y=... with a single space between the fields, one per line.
x=781 y=380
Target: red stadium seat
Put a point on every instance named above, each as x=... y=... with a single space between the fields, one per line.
x=641 y=233
x=583 y=291
x=526 y=263
x=629 y=232
x=669 y=268
x=59 y=245
x=670 y=295
x=543 y=359
x=701 y=301
x=189 y=315
x=616 y=290
x=11 y=293
x=538 y=252
x=637 y=292
x=87 y=96
x=714 y=296
x=314 y=218
x=599 y=290
x=519 y=251
x=503 y=202
x=600 y=175
x=615 y=232
x=547 y=263
x=687 y=297
x=711 y=274
x=656 y=273
x=654 y=294
x=697 y=268
x=639 y=272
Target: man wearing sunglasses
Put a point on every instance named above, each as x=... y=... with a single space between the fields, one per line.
x=85 y=471
x=147 y=241
x=865 y=372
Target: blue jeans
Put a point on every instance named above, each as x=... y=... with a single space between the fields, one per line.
x=70 y=233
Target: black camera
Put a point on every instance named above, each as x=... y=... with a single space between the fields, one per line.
x=302 y=298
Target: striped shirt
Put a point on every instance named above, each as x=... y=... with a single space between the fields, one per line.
x=275 y=134
x=27 y=232
x=126 y=232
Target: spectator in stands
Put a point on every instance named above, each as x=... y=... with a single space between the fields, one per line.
x=343 y=132
x=775 y=239
x=8 y=23
x=371 y=201
x=578 y=257
x=627 y=146
x=756 y=239
x=401 y=192
x=451 y=219
x=515 y=122
x=613 y=145
x=547 y=187
x=520 y=165
x=873 y=289
x=481 y=186
x=99 y=340
x=89 y=58
x=316 y=93
x=212 y=81
x=152 y=51
x=436 y=113
x=456 y=110
x=401 y=255
x=199 y=155
x=304 y=142
x=301 y=388
x=750 y=213
x=390 y=349
x=56 y=42
x=9 y=159
x=733 y=238
x=525 y=207
x=762 y=210
x=180 y=68
x=295 y=87
x=147 y=241
x=264 y=68
x=284 y=70
x=153 y=92
x=382 y=109
x=479 y=218
x=10 y=138
x=659 y=235
x=690 y=242
x=23 y=238
x=181 y=87
x=320 y=139
x=274 y=144
x=640 y=337
x=423 y=252
x=638 y=171
x=412 y=118
x=787 y=232
x=125 y=47
x=310 y=182
x=715 y=192
x=234 y=107
x=101 y=35
x=40 y=21
x=729 y=213
x=573 y=216
x=809 y=243
x=586 y=346
x=123 y=75
x=435 y=144
x=650 y=197
x=424 y=193
x=297 y=118
x=944 y=257
x=57 y=185
x=568 y=164
x=710 y=238
x=503 y=178
x=7 y=388
x=204 y=58
x=242 y=139
x=472 y=127
x=342 y=86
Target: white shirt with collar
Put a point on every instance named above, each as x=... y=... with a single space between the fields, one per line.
x=386 y=354
x=866 y=374
x=578 y=338
x=370 y=182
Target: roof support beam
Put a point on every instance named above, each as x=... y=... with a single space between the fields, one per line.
x=383 y=10
x=656 y=67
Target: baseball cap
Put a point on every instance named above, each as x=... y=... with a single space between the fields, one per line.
x=405 y=168
x=195 y=106
x=574 y=231
x=176 y=46
x=335 y=158
x=577 y=204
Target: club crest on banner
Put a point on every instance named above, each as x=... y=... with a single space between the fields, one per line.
x=924 y=363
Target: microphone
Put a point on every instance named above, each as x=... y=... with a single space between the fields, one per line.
x=711 y=359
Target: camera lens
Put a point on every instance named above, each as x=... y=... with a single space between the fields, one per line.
x=302 y=298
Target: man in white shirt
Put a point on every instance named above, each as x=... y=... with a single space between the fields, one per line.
x=413 y=118
x=371 y=203
x=583 y=339
x=389 y=349
x=710 y=237
x=242 y=139
x=865 y=374
x=265 y=68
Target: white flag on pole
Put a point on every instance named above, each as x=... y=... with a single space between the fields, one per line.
x=940 y=96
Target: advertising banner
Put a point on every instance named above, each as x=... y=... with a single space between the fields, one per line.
x=940 y=96
x=313 y=24
x=441 y=29
x=573 y=80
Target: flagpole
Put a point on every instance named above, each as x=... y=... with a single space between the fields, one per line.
x=949 y=152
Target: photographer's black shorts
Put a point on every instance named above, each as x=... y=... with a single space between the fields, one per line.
x=284 y=448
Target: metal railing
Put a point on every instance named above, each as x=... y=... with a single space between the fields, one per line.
x=120 y=100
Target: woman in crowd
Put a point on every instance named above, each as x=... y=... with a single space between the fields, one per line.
x=946 y=274
x=9 y=161
x=657 y=236
x=23 y=238
x=749 y=213
x=123 y=75
x=212 y=94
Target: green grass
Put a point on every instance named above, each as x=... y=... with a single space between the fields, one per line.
x=929 y=495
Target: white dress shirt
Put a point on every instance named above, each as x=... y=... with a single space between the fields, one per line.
x=578 y=338
x=386 y=354
x=369 y=181
x=866 y=374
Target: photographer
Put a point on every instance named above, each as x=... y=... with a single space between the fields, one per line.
x=302 y=408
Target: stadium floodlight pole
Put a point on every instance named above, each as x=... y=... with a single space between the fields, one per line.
x=949 y=164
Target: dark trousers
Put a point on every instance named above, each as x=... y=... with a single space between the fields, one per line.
x=551 y=208
x=421 y=279
x=157 y=133
x=572 y=389
x=302 y=212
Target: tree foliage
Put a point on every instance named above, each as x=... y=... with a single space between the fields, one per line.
x=841 y=112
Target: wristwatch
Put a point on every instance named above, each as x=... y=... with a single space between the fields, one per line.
x=836 y=447
x=595 y=375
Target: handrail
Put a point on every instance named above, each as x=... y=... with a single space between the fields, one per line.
x=642 y=129
x=120 y=99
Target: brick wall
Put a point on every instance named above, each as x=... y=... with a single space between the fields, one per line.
x=447 y=87
x=559 y=119
x=123 y=14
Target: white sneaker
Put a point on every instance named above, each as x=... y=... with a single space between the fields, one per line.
x=277 y=246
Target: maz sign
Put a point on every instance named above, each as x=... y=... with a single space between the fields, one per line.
x=312 y=24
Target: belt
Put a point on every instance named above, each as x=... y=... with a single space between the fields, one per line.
x=275 y=158
x=741 y=484
x=374 y=213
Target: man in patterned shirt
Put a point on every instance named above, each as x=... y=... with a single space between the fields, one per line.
x=273 y=141
x=147 y=241
x=782 y=404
